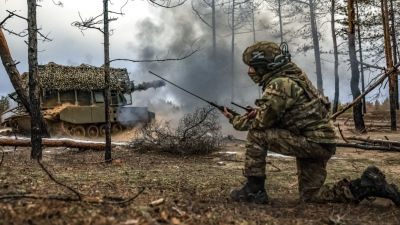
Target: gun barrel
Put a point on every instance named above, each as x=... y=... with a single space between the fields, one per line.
x=146 y=85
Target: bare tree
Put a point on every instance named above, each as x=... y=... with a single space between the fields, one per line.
x=309 y=14
x=355 y=74
x=389 y=63
x=335 y=53
x=215 y=6
x=91 y=23
x=281 y=8
x=236 y=21
x=250 y=10
x=394 y=46
x=361 y=56
x=39 y=127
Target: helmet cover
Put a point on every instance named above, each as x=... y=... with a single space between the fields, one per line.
x=259 y=50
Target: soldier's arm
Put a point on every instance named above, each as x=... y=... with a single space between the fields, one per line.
x=279 y=95
x=240 y=123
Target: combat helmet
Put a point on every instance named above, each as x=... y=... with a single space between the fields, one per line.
x=267 y=55
x=261 y=50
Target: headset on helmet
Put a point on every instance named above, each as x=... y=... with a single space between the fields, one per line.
x=279 y=60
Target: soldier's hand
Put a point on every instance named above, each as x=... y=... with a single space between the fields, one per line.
x=226 y=113
x=252 y=113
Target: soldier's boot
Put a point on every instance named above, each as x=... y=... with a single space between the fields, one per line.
x=252 y=191
x=373 y=184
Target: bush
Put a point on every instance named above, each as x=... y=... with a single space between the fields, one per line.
x=197 y=134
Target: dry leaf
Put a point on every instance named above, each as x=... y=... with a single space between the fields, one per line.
x=175 y=220
x=118 y=162
x=164 y=215
x=185 y=216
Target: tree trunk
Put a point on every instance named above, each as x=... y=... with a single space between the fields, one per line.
x=355 y=74
x=335 y=53
x=280 y=19
x=36 y=128
x=389 y=63
x=361 y=58
x=316 y=47
x=394 y=54
x=17 y=82
x=233 y=51
x=254 y=28
x=213 y=28
x=54 y=143
x=254 y=39
x=107 y=94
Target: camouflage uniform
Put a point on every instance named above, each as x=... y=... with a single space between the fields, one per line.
x=292 y=119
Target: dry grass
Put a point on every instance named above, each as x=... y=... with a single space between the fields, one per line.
x=196 y=189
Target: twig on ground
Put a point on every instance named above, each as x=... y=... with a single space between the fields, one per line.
x=341 y=134
x=125 y=201
x=2 y=157
x=38 y=197
x=58 y=182
x=274 y=166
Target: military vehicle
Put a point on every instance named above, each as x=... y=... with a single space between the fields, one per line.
x=72 y=101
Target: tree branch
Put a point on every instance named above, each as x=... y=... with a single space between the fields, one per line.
x=20 y=34
x=8 y=17
x=12 y=13
x=198 y=14
x=59 y=3
x=166 y=3
x=372 y=87
x=188 y=54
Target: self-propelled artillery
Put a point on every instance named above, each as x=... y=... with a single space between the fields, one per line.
x=72 y=101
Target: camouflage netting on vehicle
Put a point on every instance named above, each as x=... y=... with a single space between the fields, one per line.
x=84 y=77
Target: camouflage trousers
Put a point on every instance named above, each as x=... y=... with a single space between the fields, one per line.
x=311 y=159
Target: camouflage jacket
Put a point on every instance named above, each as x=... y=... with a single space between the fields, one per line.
x=291 y=102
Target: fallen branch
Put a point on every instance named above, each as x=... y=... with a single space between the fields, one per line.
x=68 y=199
x=372 y=87
x=375 y=141
x=367 y=147
x=55 y=143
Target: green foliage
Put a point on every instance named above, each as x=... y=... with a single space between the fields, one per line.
x=4 y=104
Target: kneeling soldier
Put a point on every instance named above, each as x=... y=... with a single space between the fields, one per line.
x=293 y=119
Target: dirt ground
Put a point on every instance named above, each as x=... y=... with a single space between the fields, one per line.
x=195 y=188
